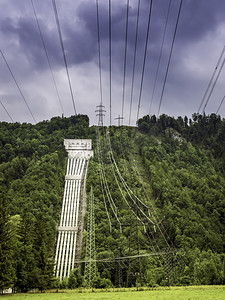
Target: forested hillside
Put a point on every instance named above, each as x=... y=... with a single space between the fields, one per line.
x=161 y=191
x=32 y=173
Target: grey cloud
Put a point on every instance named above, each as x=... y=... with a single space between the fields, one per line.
x=30 y=44
x=199 y=18
x=80 y=46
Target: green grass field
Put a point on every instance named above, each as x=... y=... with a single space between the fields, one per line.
x=177 y=293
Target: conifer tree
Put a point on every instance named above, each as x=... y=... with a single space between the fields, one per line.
x=43 y=255
x=25 y=270
x=7 y=271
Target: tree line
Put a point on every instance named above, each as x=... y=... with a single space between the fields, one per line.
x=176 y=168
x=32 y=171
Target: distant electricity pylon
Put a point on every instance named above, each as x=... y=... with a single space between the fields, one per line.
x=120 y=120
x=90 y=257
x=100 y=114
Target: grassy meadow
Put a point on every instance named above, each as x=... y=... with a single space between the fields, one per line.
x=177 y=293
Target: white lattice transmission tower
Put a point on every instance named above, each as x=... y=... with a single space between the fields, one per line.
x=100 y=113
x=90 y=257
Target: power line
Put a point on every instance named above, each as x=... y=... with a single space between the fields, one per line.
x=132 y=256
x=171 y=50
x=125 y=58
x=154 y=213
x=220 y=105
x=211 y=80
x=101 y=179
x=46 y=53
x=123 y=196
x=134 y=61
x=160 y=56
x=6 y=111
x=130 y=194
x=213 y=86
x=145 y=54
x=17 y=85
x=117 y=169
x=110 y=63
x=63 y=52
x=143 y=216
x=113 y=164
x=99 y=53
x=155 y=222
x=105 y=183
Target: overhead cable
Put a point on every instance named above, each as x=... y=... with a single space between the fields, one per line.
x=110 y=63
x=132 y=193
x=134 y=60
x=145 y=54
x=47 y=56
x=220 y=105
x=101 y=178
x=133 y=256
x=153 y=211
x=171 y=51
x=125 y=59
x=63 y=52
x=211 y=80
x=105 y=183
x=129 y=193
x=25 y=101
x=6 y=111
x=99 y=52
x=160 y=56
x=124 y=197
x=213 y=86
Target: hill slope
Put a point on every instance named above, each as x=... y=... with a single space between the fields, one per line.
x=185 y=195
x=161 y=192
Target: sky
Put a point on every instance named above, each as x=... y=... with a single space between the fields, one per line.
x=198 y=44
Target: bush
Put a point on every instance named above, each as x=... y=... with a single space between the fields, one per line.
x=63 y=284
x=75 y=279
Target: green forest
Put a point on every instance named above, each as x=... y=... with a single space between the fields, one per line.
x=163 y=212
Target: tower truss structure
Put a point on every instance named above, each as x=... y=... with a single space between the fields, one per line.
x=90 y=257
x=100 y=113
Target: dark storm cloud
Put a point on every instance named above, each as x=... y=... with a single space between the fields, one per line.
x=87 y=15
x=81 y=42
x=199 y=18
x=80 y=45
x=199 y=40
x=25 y=31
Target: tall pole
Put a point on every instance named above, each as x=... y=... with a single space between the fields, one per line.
x=90 y=257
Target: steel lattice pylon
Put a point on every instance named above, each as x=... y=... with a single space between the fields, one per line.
x=90 y=257
x=100 y=114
